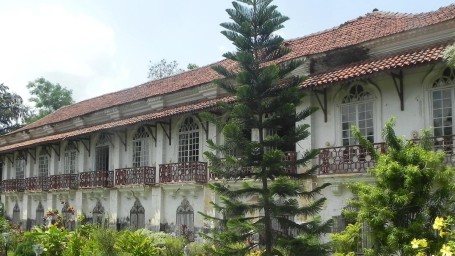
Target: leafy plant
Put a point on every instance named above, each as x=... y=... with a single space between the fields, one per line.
x=136 y=243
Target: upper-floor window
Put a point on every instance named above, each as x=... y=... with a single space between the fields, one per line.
x=443 y=103
x=102 y=153
x=357 y=109
x=43 y=163
x=20 y=166
x=141 y=147
x=70 y=158
x=189 y=141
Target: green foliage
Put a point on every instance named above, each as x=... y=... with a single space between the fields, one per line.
x=449 y=55
x=346 y=242
x=411 y=187
x=25 y=243
x=12 y=110
x=164 y=69
x=266 y=99
x=54 y=240
x=48 y=97
x=136 y=243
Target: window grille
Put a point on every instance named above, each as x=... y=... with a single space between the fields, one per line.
x=39 y=220
x=70 y=159
x=20 y=167
x=137 y=216
x=357 y=109
x=102 y=153
x=16 y=214
x=141 y=147
x=98 y=213
x=43 y=164
x=442 y=96
x=185 y=220
x=189 y=141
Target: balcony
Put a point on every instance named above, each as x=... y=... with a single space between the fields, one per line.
x=63 y=182
x=96 y=179
x=144 y=175
x=355 y=159
x=36 y=184
x=13 y=185
x=242 y=172
x=183 y=172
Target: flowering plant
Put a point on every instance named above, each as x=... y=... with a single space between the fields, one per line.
x=446 y=234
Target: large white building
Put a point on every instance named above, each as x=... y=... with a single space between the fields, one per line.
x=133 y=158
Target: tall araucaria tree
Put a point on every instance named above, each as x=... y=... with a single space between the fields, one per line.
x=263 y=212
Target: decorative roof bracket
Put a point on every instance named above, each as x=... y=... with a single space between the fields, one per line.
x=167 y=132
x=399 y=86
x=204 y=127
x=323 y=102
x=56 y=149
x=86 y=143
x=122 y=139
x=150 y=128
x=30 y=153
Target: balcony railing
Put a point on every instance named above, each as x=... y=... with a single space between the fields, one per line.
x=144 y=175
x=242 y=172
x=182 y=172
x=63 y=182
x=37 y=184
x=13 y=185
x=355 y=159
x=346 y=159
x=96 y=179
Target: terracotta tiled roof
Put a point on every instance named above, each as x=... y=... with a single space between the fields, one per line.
x=362 y=69
x=187 y=108
x=370 y=67
x=371 y=26
x=368 y=27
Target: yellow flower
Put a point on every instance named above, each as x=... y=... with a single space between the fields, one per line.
x=442 y=233
x=415 y=243
x=423 y=243
x=420 y=254
x=446 y=250
x=438 y=223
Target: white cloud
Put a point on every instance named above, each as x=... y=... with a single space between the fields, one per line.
x=76 y=51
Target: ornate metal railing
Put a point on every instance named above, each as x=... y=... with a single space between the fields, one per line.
x=242 y=172
x=144 y=175
x=13 y=185
x=445 y=144
x=96 y=179
x=355 y=159
x=63 y=182
x=181 y=172
x=37 y=184
x=346 y=159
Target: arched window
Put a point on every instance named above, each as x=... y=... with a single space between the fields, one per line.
x=137 y=216
x=102 y=152
x=141 y=147
x=189 y=141
x=39 y=220
x=68 y=216
x=70 y=158
x=98 y=213
x=357 y=109
x=20 y=163
x=16 y=214
x=185 y=220
x=43 y=163
x=443 y=103
x=20 y=166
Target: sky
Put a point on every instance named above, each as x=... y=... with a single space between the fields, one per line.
x=95 y=47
